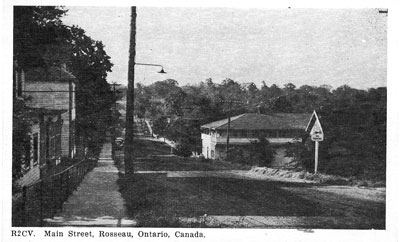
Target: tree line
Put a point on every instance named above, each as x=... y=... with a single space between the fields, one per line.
x=354 y=120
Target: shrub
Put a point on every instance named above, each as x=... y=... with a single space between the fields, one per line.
x=183 y=150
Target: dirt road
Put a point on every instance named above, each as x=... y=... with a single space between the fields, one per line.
x=168 y=191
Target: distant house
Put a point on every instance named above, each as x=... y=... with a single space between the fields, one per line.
x=50 y=96
x=277 y=128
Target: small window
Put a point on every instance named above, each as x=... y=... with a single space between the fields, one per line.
x=35 y=149
x=19 y=84
x=26 y=159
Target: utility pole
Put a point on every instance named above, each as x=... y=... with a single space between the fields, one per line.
x=128 y=147
x=230 y=102
x=227 y=130
x=115 y=121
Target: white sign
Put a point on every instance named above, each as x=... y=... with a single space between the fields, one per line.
x=317 y=137
x=316 y=132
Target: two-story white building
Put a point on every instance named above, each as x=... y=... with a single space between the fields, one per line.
x=278 y=128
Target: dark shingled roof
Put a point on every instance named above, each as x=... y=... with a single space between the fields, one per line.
x=272 y=121
x=52 y=74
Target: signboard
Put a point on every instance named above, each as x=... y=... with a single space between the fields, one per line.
x=317 y=137
x=316 y=132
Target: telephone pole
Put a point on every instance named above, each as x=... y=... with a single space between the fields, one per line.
x=227 y=130
x=230 y=102
x=128 y=147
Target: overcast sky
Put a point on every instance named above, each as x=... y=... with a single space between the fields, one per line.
x=302 y=46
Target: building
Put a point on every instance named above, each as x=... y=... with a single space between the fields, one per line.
x=49 y=95
x=277 y=128
x=44 y=150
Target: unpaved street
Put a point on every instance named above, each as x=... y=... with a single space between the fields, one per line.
x=169 y=191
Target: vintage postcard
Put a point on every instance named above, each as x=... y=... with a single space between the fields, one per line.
x=209 y=123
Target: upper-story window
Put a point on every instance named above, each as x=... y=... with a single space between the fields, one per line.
x=18 y=80
x=19 y=84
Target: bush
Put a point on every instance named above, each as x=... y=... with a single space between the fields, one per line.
x=183 y=150
x=259 y=153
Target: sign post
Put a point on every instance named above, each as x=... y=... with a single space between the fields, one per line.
x=317 y=135
x=316 y=156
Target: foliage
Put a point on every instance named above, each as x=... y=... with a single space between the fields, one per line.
x=354 y=120
x=94 y=97
x=42 y=40
x=36 y=29
x=259 y=153
x=20 y=137
x=160 y=125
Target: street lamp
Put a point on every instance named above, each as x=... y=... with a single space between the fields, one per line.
x=162 y=68
x=128 y=146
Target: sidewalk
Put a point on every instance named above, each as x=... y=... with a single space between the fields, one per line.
x=97 y=201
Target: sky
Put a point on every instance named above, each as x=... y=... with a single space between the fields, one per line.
x=278 y=46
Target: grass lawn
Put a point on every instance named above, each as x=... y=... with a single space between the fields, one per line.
x=156 y=197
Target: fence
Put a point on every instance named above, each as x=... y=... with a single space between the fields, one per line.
x=44 y=198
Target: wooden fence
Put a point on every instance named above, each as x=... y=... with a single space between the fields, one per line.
x=45 y=197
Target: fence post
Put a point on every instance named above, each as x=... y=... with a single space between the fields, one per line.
x=51 y=188
x=41 y=203
x=61 y=192
x=67 y=193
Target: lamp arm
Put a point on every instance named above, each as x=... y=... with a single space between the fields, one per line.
x=143 y=64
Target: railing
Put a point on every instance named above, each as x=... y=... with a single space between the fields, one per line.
x=44 y=198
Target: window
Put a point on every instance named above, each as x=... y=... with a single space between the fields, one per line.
x=19 y=83
x=35 y=149
x=205 y=131
x=53 y=138
x=27 y=158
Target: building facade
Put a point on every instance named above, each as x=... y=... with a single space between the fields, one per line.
x=49 y=95
x=277 y=128
x=54 y=89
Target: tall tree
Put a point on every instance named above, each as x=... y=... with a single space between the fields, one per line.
x=94 y=97
x=36 y=28
x=42 y=40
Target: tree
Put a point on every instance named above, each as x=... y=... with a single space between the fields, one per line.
x=258 y=153
x=161 y=89
x=42 y=40
x=289 y=88
x=252 y=91
x=174 y=102
x=262 y=151
x=94 y=97
x=229 y=89
x=160 y=126
x=36 y=28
